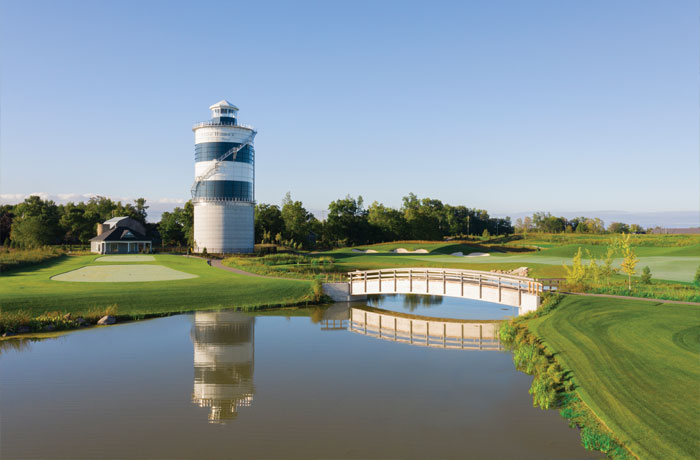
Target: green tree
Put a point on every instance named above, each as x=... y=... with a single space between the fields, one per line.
x=171 y=229
x=425 y=218
x=388 y=223
x=298 y=222
x=606 y=270
x=347 y=223
x=696 y=280
x=76 y=225
x=36 y=223
x=6 y=215
x=140 y=204
x=268 y=221
x=646 y=275
x=618 y=227
x=630 y=260
x=176 y=228
x=576 y=274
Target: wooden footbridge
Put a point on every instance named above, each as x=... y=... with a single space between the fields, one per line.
x=511 y=290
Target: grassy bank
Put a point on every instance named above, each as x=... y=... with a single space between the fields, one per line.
x=11 y=259
x=634 y=364
x=32 y=291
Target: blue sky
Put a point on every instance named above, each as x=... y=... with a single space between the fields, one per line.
x=509 y=106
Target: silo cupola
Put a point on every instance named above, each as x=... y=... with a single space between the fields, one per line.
x=224 y=109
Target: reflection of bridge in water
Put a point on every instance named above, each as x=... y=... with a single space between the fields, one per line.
x=223 y=362
x=412 y=329
x=425 y=331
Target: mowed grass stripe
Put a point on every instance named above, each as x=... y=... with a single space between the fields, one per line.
x=630 y=370
x=32 y=289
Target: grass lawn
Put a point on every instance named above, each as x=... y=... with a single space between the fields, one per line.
x=636 y=365
x=673 y=263
x=31 y=289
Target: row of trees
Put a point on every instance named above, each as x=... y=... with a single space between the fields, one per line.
x=349 y=223
x=547 y=223
x=36 y=222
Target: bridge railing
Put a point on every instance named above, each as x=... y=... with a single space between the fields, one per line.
x=428 y=275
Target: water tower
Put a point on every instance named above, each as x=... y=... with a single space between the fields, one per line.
x=223 y=192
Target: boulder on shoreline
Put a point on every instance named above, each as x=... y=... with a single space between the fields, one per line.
x=107 y=320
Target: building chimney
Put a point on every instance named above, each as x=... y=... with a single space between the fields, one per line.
x=100 y=229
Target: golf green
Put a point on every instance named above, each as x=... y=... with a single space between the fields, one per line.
x=126 y=258
x=122 y=274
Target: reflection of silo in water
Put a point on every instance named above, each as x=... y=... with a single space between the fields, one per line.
x=223 y=362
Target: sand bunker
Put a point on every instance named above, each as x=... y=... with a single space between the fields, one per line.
x=471 y=254
x=406 y=251
x=122 y=274
x=131 y=258
x=368 y=251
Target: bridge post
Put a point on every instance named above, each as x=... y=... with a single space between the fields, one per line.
x=427 y=282
x=365 y=282
x=380 y=281
x=499 y=288
x=395 y=288
x=410 y=280
x=479 y=285
x=444 y=283
x=520 y=295
x=461 y=286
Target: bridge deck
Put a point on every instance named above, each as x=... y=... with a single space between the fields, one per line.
x=512 y=290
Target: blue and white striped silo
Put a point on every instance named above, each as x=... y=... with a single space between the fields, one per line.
x=223 y=192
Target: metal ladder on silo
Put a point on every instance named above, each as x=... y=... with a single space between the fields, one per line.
x=217 y=164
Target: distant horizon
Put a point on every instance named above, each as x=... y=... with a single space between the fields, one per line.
x=647 y=219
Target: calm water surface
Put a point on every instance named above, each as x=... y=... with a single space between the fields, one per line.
x=230 y=385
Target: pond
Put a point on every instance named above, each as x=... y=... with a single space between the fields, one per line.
x=233 y=385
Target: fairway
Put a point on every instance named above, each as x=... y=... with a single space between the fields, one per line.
x=126 y=258
x=122 y=274
x=666 y=263
x=636 y=365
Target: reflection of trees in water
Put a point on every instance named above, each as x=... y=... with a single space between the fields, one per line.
x=16 y=344
x=223 y=362
x=411 y=302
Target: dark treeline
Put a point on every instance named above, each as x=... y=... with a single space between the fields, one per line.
x=349 y=223
x=36 y=222
x=547 y=223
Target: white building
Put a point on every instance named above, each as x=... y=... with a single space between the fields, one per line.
x=223 y=192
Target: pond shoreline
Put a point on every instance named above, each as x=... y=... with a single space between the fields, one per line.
x=553 y=386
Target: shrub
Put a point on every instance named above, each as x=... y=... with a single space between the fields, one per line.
x=696 y=280
x=317 y=288
x=646 y=275
x=13 y=320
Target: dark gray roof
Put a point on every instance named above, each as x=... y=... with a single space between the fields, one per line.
x=120 y=234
